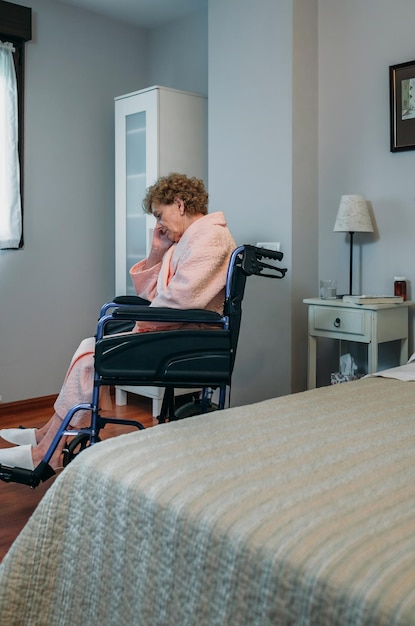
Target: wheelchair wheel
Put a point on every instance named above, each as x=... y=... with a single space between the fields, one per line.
x=194 y=408
x=75 y=446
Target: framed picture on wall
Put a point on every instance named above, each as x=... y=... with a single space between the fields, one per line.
x=402 y=106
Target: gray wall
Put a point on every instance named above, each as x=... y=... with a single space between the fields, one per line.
x=263 y=172
x=250 y=174
x=358 y=41
x=177 y=54
x=51 y=291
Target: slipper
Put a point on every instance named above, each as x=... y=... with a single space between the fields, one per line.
x=20 y=436
x=17 y=457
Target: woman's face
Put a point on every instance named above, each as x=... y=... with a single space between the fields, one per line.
x=171 y=218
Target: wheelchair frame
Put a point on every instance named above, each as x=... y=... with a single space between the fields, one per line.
x=245 y=260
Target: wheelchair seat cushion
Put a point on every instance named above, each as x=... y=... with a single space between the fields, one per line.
x=176 y=357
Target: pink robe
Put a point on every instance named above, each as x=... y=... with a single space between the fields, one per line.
x=192 y=274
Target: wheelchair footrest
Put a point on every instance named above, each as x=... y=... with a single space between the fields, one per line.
x=26 y=477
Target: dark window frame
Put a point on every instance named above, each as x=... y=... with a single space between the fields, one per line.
x=16 y=27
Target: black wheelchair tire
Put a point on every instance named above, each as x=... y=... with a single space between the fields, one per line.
x=75 y=446
x=193 y=408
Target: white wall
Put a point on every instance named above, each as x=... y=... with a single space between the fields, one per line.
x=358 y=41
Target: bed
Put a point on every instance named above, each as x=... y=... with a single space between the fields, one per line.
x=296 y=510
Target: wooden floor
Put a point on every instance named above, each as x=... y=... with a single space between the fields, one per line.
x=17 y=502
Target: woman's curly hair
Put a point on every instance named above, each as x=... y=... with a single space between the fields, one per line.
x=191 y=190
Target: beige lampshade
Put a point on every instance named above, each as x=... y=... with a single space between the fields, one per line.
x=353 y=215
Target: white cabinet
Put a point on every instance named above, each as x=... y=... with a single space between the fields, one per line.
x=157 y=131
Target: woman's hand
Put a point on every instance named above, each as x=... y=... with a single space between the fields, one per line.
x=159 y=245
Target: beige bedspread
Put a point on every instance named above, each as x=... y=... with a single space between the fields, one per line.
x=298 y=510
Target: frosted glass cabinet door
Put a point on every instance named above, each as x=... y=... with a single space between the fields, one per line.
x=135 y=188
x=135 y=170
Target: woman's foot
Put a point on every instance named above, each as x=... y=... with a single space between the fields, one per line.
x=20 y=436
x=38 y=453
x=28 y=458
x=20 y=456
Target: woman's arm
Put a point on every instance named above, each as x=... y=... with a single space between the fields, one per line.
x=198 y=267
x=159 y=246
x=144 y=274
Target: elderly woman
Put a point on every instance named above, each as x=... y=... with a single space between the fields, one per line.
x=186 y=268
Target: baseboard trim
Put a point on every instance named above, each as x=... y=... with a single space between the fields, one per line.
x=43 y=402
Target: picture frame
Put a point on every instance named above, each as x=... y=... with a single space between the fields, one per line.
x=402 y=106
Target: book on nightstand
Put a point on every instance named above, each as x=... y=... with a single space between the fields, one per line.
x=372 y=299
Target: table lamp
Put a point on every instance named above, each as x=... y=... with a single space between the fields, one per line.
x=353 y=216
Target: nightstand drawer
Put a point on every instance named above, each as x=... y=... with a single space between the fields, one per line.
x=339 y=321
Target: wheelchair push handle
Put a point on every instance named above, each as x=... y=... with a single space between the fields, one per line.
x=252 y=261
x=276 y=255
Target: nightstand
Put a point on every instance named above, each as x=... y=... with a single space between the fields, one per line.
x=370 y=324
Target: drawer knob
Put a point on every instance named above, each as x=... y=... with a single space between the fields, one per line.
x=337 y=322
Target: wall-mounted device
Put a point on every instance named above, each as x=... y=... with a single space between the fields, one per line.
x=270 y=245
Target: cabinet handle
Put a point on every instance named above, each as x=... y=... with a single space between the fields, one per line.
x=337 y=322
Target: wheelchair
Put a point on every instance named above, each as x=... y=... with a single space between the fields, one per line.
x=200 y=355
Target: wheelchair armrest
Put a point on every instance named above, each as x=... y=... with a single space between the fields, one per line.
x=131 y=300
x=166 y=314
x=122 y=301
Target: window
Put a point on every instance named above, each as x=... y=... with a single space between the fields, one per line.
x=16 y=28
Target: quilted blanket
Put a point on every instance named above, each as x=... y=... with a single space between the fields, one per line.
x=297 y=510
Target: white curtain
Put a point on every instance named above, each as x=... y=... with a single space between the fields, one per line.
x=10 y=202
